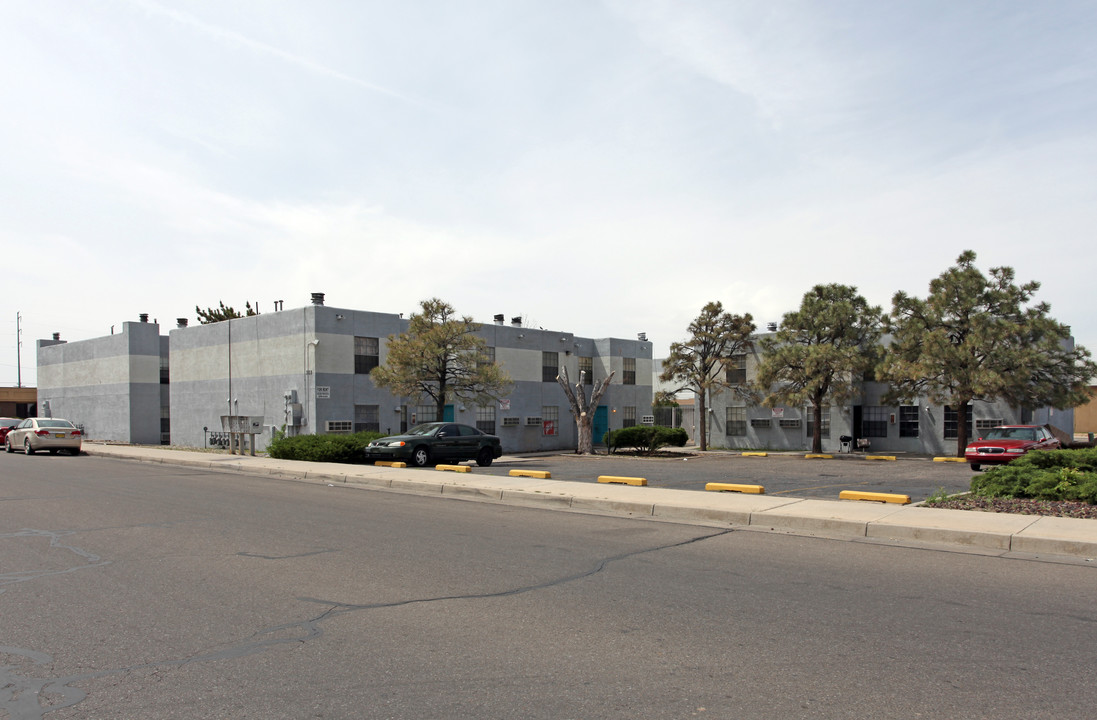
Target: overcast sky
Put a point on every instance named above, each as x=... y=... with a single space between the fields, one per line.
x=604 y=168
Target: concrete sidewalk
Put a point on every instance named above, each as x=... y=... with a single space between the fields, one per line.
x=1029 y=536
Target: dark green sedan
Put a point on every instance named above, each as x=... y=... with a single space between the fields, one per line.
x=437 y=442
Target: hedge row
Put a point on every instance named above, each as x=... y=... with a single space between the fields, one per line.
x=1043 y=475
x=322 y=448
x=644 y=438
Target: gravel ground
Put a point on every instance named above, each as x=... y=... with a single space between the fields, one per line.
x=1055 y=508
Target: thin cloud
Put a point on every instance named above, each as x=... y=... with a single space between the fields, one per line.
x=231 y=38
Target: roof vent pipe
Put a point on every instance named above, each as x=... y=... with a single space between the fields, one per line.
x=772 y=327
x=516 y=321
x=318 y=298
x=144 y=317
x=499 y=319
x=57 y=336
x=181 y=322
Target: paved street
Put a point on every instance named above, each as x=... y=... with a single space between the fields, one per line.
x=780 y=474
x=132 y=590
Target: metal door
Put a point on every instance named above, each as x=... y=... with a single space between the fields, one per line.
x=601 y=424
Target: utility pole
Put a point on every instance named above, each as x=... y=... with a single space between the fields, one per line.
x=18 y=352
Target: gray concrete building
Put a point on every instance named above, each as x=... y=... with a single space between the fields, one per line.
x=115 y=387
x=307 y=370
x=920 y=427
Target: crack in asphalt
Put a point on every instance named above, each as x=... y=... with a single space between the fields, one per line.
x=18 y=576
x=24 y=692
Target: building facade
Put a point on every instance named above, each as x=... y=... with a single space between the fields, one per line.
x=114 y=387
x=306 y=371
x=920 y=427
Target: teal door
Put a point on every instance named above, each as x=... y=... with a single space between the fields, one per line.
x=601 y=424
x=447 y=413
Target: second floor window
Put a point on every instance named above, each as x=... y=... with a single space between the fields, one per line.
x=628 y=374
x=367 y=354
x=737 y=370
x=550 y=366
x=586 y=365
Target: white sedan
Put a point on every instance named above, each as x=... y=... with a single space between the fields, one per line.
x=51 y=434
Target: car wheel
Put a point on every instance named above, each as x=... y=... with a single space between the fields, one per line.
x=975 y=467
x=485 y=457
x=420 y=457
x=27 y=449
x=7 y=445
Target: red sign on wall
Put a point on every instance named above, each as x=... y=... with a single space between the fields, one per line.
x=549 y=427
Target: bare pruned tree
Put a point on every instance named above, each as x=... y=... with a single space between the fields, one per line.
x=582 y=409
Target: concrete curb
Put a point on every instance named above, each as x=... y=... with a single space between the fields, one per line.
x=996 y=533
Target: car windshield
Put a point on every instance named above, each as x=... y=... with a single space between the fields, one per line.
x=54 y=424
x=1011 y=434
x=425 y=429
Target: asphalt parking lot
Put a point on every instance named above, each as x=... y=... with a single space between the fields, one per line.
x=780 y=474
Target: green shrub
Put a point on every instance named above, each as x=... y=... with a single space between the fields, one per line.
x=1043 y=475
x=322 y=448
x=644 y=438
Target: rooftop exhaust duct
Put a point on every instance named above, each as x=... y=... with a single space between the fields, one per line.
x=181 y=322
x=318 y=298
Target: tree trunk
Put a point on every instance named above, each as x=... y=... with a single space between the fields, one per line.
x=961 y=427
x=702 y=422
x=584 y=425
x=817 y=430
x=581 y=409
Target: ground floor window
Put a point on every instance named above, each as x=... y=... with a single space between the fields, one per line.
x=908 y=421
x=981 y=426
x=425 y=414
x=874 y=422
x=824 y=427
x=550 y=419
x=367 y=418
x=736 y=421
x=485 y=419
x=628 y=416
x=952 y=423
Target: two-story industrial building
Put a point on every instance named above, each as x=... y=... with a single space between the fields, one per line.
x=306 y=370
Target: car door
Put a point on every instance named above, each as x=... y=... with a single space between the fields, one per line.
x=469 y=445
x=447 y=442
x=16 y=436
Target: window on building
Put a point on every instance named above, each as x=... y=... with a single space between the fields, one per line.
x=164 y=374
x=809 y=413
x=628 y=416
x=761 y=423
x=367 y=354
x=981 y=426
x=788 y=424
x=485 y=419
x=550 y=366
x=586 y=365
x=550 y=419
x=908 y=421
x=736 y=370
x=165 y=425
x=426 y=414
x=952 y=423
x=628 y=373
x=487 y=357
x=367 y=418
x=736 y=421
x=874 y=422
